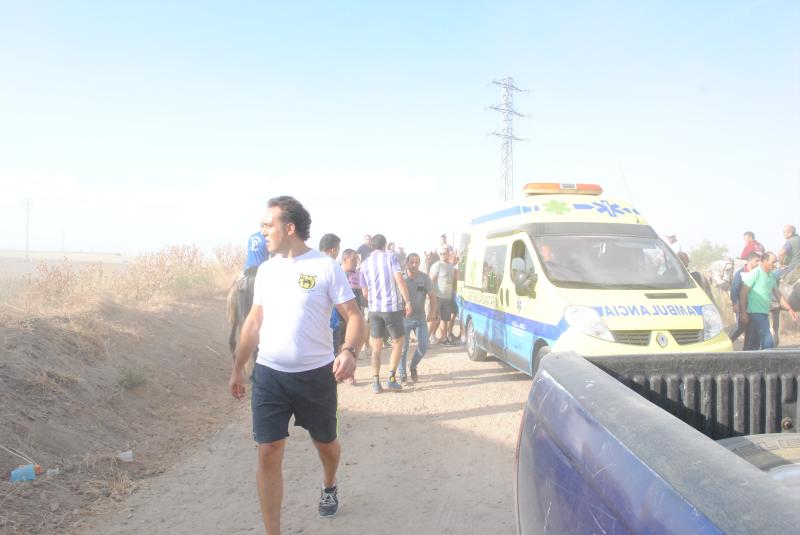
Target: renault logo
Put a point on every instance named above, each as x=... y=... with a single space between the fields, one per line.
x=662 y=339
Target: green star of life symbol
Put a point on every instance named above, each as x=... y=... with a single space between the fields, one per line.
x=556 y=207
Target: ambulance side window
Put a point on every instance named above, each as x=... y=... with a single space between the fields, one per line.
x=493 y=262
x=521 y=261
x=462 y=257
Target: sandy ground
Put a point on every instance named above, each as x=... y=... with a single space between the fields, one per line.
x=436 y=458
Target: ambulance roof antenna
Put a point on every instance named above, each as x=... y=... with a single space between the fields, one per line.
x=506 y=108
x=630 y=197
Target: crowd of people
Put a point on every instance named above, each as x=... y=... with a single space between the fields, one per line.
x=754 y=287
x=310 y=343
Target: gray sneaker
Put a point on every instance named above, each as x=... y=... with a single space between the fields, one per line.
x=328 y=502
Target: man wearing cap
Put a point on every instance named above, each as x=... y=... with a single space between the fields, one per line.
x=257 y=254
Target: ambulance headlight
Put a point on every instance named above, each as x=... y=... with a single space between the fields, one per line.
x=587 y=321
x=712 y=322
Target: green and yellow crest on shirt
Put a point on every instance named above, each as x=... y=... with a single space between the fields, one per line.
x=307 y=282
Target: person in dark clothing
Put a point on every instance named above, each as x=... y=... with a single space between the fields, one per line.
x=753 y=260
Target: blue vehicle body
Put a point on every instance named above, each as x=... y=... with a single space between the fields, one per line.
x=597 y=456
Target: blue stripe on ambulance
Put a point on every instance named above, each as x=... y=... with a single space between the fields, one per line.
x=516 y=333
x=507 y=212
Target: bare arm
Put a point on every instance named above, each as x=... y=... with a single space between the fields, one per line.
x=433 y=311
x=344 y=365
x=401 y=285
x=784 y=303
x=743 y=294
x=248 y=342
x=365 y=293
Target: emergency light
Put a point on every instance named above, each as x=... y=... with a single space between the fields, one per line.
x=544 y=188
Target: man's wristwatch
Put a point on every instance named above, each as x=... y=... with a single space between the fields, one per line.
x=352 y=350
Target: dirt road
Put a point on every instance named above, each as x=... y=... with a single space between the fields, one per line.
x=436 y=458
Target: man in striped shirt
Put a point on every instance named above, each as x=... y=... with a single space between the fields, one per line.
x=383 y=286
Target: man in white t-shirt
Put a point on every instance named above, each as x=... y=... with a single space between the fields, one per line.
x=296 y=371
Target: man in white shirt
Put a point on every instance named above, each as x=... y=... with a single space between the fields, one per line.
x=296 y=371
x=672 y=241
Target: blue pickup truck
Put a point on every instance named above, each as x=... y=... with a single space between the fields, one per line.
x=666 y=444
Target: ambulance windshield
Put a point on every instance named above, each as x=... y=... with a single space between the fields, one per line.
x=613 y=262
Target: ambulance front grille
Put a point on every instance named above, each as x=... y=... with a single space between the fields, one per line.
x=687 y=336
x=633 y=338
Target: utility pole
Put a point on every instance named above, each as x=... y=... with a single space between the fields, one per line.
x=506 y=108
x=27 y=228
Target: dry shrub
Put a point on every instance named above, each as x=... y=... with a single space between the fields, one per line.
x=229 y=257
x=131 y=378
x=176 y=271
x=119 y=482
x=110 y=481
x=60 y=285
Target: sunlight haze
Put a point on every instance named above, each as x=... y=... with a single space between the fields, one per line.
x=131 y=126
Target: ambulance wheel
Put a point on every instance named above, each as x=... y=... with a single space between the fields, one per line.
x=539 y=351
x=473 y=351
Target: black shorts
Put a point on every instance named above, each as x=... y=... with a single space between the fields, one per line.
x=309 y=395
x=447 y=309
x=381 y=322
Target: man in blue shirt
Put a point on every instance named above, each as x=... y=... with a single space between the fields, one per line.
x=753 y=260
x=257 y=254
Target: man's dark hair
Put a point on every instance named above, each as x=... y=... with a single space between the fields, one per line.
x=378 y=242
x=753 y=255
x=749 y=235
x=293 y=212
x=410 y=255
x=769 y=255
x=329 y=242
x=348 y=253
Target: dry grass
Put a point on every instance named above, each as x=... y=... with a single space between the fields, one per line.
x=178 y=271
x=174 y=273
x=229 y=257
x=49 y=381
x=111 y=481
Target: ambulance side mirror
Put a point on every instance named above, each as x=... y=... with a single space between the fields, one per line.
x=525 y=283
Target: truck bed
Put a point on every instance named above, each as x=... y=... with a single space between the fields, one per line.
x=627 y=444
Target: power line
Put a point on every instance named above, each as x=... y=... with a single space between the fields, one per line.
x=506 y=108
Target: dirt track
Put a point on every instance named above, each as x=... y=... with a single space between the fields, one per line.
x=437 y=458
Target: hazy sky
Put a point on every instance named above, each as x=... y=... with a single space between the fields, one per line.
x=134 y=125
